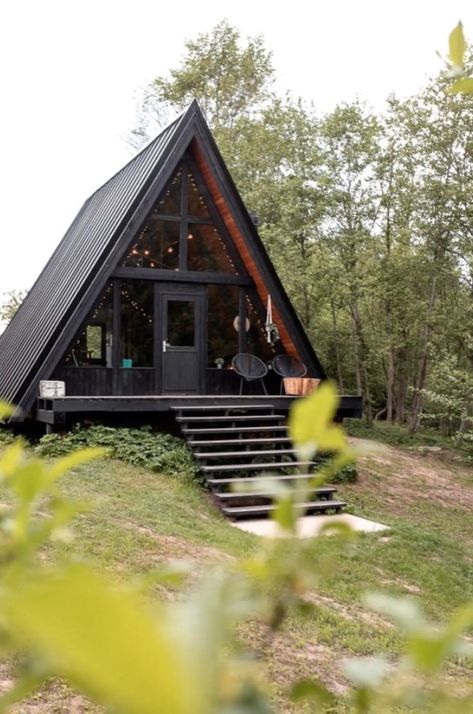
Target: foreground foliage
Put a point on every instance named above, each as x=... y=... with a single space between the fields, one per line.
x=181 y=656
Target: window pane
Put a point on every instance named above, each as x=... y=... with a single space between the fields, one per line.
x=206 y=250
x=93 y=344
x=223 y=306
x=181 y=323
x=196 y=205
x=136 y=324
x=170 y=202
x=156 y=247
x=95 y=341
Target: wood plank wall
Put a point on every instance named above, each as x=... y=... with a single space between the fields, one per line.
x=242 y=247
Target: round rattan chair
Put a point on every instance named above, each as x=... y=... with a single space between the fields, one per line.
x=250 y=368
x=287 y=366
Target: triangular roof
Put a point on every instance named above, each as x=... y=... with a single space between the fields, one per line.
x=35 y=339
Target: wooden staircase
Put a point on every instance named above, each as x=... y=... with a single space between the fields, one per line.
x=236 y=443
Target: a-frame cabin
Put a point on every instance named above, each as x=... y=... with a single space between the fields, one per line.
x=144 y=300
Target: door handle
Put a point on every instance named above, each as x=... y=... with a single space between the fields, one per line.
x=165 y=345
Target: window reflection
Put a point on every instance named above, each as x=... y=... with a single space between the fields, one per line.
x=170 y=203
x=181 y=323
x=93 y=344
x=223 y=306
x=196 y=204
x=206 y=250
x=156 y=247
x=136 y=324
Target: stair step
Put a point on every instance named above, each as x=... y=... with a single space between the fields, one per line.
x=231 y=495
x=229 y=417
x=268 y=508
x=233 y=429
x=222 y=407
x=230 y=442
x=242 y=453
x=254 y=467
x=213 y=482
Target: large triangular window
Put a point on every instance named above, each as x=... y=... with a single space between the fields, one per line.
x=182 y=231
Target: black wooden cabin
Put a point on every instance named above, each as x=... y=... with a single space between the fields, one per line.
x=160 y=280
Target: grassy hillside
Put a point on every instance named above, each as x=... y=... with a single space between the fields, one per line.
x=138 y=519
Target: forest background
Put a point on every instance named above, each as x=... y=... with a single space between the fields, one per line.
x=365 y=215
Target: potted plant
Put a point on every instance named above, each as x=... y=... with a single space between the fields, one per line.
x=219 y=362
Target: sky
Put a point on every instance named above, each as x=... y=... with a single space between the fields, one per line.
x=70 y=74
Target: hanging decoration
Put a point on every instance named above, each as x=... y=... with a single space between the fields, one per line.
x=272 y=332
x=236 y=324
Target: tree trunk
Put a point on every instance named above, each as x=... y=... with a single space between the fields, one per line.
x=337 y=351
x=390 y=387
x=360 y=359
x=418 y=400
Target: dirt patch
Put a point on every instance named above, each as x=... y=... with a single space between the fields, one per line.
x=410 y=477
x=351 y=612
x=287 y=660
x=170 y=547
x=54 y=696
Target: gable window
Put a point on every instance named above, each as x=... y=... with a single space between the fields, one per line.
x=157 y=246
x=180 y=232
x=206 y=251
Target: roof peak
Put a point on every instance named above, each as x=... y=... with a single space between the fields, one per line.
x=192 y=109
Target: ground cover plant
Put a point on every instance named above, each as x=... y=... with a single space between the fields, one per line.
x=157 y=451
x=299 y=604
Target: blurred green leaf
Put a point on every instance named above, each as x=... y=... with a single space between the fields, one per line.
x=464 y=85
x=30 y=480
x=311 y=689
x=366 y=671
x=23 y=688
x=428 y=649
x=461 y=620
x=76 y=459
x=311 y=422
x=457 y=46
x=339 y=528
x=11 y=459
x=265 y=484
x=285 y=514
x=404 y=611
x=331 y=467
x=6 y=410
x=103 y=641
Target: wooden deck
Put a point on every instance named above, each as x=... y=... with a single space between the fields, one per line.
x=53 y=411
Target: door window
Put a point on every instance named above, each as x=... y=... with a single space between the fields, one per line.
x=181 y=323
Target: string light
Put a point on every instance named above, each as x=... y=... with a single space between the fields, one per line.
x=203 y=254
x=139 y=308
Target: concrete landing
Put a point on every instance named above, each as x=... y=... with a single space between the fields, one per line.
x=310 y=526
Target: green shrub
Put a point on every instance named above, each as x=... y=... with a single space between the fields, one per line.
x=6 y=437
x=159 y=452
x=348 y=474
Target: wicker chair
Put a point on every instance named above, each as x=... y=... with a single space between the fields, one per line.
x=287 y=366
x=250 y=368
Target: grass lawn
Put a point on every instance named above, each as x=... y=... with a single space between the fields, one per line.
x=139 y=519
